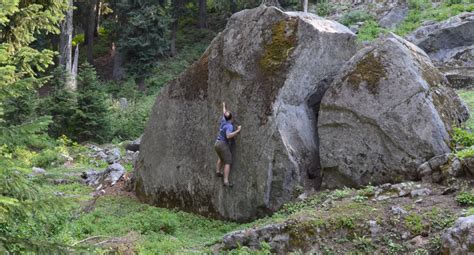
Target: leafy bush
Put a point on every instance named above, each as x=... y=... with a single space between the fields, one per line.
x=452 y=2
x=369 y=31
x=324 y=8
x=422 y=10
x=419 y=4
x=130 y=123
x=47 y=158
x=465 y=153
x=462 y=137
x=465 y=198
x=353 y=17
x=414 y=223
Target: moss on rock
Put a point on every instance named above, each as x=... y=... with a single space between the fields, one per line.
x=281 y=46
x=369 y=70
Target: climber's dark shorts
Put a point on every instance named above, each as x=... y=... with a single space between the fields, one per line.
x=223 y=151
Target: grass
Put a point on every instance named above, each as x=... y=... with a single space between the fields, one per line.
x=468 y=97
x=421 y=10
x=158 y=229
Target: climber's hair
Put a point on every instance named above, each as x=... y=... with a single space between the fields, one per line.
x=227 y=116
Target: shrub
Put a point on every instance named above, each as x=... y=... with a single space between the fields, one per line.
x=324 y=8
x=465 y=198
x=130 y=123
x=419 y=4
x=461 y=137
x=90 y=120
x=414 y=223
x=452 y=2
x=353 y=17
x=369 y=31
x=61 y=105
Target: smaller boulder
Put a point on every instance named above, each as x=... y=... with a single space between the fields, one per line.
x=105 y=178
x=134 y=145
x=113 y=155
x=420 y=192
x=112 y=174
x=459 y=239
x=398 y=210
x=38 y=170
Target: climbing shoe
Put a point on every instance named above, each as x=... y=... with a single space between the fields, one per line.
x=219 y=174
x=229 y=185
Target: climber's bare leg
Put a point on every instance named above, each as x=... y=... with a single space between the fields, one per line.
x=218 y=166
x=226 y=173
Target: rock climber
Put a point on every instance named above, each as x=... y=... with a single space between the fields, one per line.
x=224 y=142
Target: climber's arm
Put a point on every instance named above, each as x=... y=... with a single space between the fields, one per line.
x=231 y=135
x=223 y=108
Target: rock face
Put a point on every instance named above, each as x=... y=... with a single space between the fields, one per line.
x=265 y=65
x=450 y=44
x=459 y=239
x=386 y=112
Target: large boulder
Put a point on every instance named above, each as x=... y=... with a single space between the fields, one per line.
x=459 y=239
x=265 y=65
x=450 y=44
x=386 y=112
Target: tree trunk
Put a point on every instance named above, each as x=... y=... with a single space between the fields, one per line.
x=305 y=5
x=65 y=39
x=202 y=14
x=90 y=30
x=141 y=84
x=118 y=72
x=72 y=84
x=174 y=29
x=233 y=6
x=97 y=18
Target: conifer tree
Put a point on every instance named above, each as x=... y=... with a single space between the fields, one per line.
x=90 y=119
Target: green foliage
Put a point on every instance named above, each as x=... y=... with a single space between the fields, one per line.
x=27 y=211
x=78 y=39
x=414 y=223
x=169 y=68
x=470 y=211
x=129 y=123
x=369 y=31
x=465 y=198
x=393 y=247
x=324 y=8
x=61 y=104
x=422 y=10
x=90 y=121
x=31 y=134
x=364 y=244
x=463 y=142
x=294 y=207
x=419 y=4
x=465 y=153
x=341 y=193
x=440 y=219
x=461 y=137
x=142 y=37
x=160 y=229
x=368 y=191
x=353 y=17
x=468 y=97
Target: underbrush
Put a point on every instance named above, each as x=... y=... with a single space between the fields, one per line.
x=158 y=229
x=422 y=10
